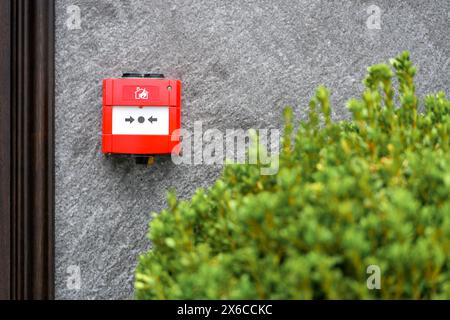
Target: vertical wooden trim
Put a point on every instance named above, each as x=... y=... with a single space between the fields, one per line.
x=5 y=149
x=30 y=166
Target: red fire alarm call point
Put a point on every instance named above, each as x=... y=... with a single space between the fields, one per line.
x=141 y=113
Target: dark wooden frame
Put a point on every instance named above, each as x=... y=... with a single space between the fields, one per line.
x=26 y=149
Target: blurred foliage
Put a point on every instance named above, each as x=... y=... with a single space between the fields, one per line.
x=349 y=194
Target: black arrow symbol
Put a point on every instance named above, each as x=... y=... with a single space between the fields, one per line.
x=130 y=119
x=151 y=119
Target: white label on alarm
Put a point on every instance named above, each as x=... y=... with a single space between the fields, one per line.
x=141 y=121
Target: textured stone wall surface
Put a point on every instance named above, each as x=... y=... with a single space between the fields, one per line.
x=240 y=62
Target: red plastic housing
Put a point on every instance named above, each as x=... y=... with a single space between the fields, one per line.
x=157 y=93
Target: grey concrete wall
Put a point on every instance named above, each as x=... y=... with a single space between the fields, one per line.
x=240 y=62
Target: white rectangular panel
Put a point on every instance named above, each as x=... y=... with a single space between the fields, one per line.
x=142 y=121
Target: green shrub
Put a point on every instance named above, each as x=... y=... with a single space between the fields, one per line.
x=371 y=191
